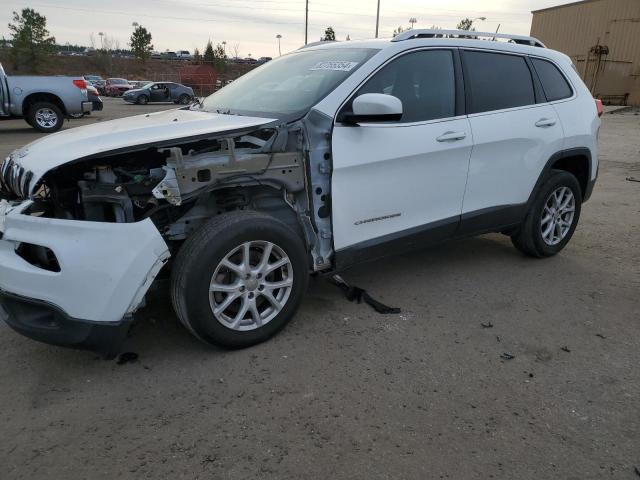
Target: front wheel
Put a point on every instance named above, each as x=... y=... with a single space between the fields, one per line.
x=45 y=117
x=239 y=279
x=552 y=217
x=142 y=100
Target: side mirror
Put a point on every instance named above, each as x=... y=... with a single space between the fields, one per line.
x=374 y=107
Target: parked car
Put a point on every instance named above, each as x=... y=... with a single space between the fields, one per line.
x=184 y=55
x=250 y=60
x=115 y=87
x=323 y=158
x=43 y=102
x=160 y=92
x=170 y=55
x=97 y=81
x=262 y=60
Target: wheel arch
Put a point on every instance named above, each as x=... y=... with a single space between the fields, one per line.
x=576 y=161
x=34 y=98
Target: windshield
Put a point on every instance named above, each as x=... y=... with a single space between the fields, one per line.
x=288 y=85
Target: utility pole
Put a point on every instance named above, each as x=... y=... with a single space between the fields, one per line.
x=306 y=23
x=278 y=36
x=378 y=19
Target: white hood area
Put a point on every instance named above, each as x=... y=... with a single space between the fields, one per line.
x=68 y=145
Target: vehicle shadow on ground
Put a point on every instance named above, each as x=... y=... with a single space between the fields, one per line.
x=159 y=332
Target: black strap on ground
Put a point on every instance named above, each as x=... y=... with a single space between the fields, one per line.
x=357 y=294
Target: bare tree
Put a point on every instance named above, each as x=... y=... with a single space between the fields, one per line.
x=236 y=50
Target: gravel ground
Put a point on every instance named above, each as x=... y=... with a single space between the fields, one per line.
x=346 y=393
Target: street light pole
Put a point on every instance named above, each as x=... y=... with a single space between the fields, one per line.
x=413 y=21
x=378 y=19
x=278 y=36
x=306 y=23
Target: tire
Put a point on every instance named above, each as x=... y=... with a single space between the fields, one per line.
x=45 y=117
x=184 y=99
x=142 y=100
x=538 y=239
x=200 y=261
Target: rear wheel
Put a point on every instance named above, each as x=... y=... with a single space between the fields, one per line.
x=239 y=279
x=184 y=99
x=45 y=117
x=552 y=218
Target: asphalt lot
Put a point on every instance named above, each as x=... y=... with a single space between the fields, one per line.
x=346 y=393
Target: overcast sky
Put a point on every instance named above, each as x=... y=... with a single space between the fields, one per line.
x=252 y=25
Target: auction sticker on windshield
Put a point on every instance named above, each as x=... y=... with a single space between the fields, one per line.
x=340 y=66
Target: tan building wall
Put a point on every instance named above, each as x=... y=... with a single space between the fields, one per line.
x=583 y=29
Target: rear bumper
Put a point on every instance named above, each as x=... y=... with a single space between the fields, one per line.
x=87 y=107
x=47 y=323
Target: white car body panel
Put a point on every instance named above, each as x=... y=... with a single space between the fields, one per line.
x=58 y=149
x=509 y=153
x=106 y=268
x=389 y=178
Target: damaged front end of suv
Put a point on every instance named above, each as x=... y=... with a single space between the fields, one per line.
x=83 y=241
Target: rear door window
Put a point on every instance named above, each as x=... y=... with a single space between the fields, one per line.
x=494 y=81
x=554 y=84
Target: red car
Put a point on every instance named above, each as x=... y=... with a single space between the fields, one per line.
x=115 y=87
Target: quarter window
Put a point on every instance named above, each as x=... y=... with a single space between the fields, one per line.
x=424 y=81
x=495 y=81
x=554 y=84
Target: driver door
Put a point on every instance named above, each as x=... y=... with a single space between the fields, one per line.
x=157 y=92
x=400 y=185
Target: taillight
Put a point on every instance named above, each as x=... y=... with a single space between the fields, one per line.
x=599 y=107
x=82 y=84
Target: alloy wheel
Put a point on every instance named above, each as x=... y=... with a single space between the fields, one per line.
x=557 y=215
x=251 y=285
x=46 y=118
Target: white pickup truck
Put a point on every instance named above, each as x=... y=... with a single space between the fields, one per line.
x=43 y=102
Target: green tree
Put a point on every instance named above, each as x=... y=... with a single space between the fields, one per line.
x=329 y=35
x=30 y=38
x=466 y=24
x=141 y=43
x=215 y=56
x=209 y=54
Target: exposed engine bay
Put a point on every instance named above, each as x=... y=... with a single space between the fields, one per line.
x=272 y=169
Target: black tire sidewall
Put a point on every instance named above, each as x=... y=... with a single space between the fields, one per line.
x=181 y=99
x=556 y=180
x=203 y=261
x=32 y=117
x=140 y=100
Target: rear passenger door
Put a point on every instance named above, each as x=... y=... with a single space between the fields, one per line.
x=514 y=131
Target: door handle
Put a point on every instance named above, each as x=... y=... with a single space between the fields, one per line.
x=545 y=122
x=451 y=136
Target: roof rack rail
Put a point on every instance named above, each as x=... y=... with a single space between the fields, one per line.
x=431 y=33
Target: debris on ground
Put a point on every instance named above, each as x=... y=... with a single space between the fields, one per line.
x=632 y=179
x=127 y=357
x=359 y=295
x=507 y=356
x=601 y=336
x=486 y=325
x=565 y=349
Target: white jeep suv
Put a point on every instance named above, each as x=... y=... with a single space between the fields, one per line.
x=334 y=154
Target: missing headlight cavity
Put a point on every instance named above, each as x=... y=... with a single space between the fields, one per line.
x=38 y=256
